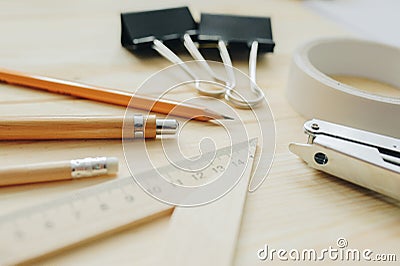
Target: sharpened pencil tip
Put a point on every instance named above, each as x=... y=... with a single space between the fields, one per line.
x=211 y=115
x=228 y=117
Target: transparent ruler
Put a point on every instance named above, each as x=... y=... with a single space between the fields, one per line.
x=89 y=213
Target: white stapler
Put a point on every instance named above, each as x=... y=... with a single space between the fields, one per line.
x=364 y=158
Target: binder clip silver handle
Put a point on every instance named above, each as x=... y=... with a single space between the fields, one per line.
x=173 y=58
x=230 y=94
x=227 y=90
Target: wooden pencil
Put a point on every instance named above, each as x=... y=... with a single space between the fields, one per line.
x=111 y=96
x=58 y=170
x=84 y=127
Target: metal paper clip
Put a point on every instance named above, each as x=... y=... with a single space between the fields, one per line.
x=364 y=158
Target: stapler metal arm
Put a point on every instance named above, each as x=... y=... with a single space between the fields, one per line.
x=364 y=158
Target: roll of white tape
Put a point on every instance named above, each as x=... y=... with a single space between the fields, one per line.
x=314 y=94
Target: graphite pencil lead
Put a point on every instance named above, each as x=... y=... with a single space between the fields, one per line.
x=228 y=117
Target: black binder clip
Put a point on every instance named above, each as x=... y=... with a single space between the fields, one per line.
x=237 y=32
x=155 y=29
x=145 y=30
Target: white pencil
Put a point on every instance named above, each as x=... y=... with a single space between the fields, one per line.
x=60 y=170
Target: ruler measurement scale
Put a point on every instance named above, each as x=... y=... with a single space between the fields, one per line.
x=47 y=227
x=231 y=153
x=71 y=200
x=195 y=177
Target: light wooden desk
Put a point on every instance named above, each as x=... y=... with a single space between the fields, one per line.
x=296 y=207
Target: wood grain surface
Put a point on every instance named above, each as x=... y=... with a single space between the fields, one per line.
x=297 y=207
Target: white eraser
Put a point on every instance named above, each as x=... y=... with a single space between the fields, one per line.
x=112 y=165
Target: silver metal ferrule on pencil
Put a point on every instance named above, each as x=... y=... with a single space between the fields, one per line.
x=166 y=126
x=91 y=166
x=150 y=126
